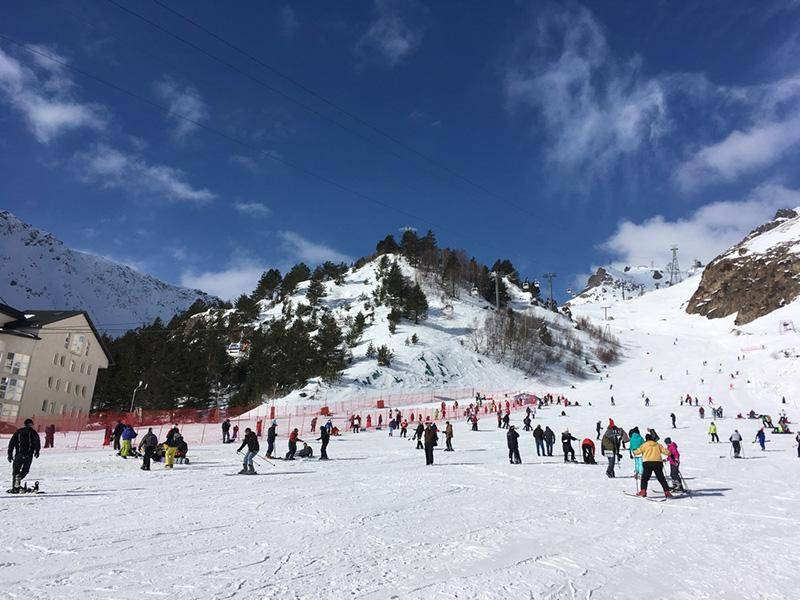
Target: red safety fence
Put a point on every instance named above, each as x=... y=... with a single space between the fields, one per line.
x=204 y=426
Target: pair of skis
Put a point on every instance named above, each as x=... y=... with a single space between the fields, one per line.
x=25 y=489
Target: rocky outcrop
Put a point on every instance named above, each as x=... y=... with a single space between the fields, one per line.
x=754 y=277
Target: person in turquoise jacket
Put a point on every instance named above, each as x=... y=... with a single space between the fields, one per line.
x=635 y=444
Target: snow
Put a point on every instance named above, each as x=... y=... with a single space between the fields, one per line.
x=40 y=272
x=375 y=522
x=786 y=234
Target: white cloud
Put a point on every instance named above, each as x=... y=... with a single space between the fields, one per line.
x=593 y=109
x=394 y=34
x=40 y=91
x=256 y=210
x=114 y=169
x=740 y=153
x=184 y=103
x=703 y=234
x=240 y=277
x=301 y=249
x=289 y=21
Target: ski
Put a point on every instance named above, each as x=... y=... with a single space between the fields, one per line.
x=645 y=497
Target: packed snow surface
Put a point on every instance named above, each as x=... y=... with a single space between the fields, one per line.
x=375 y=522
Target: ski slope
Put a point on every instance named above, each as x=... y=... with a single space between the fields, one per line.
x=375 y=522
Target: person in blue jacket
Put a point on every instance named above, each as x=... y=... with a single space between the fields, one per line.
x=761 y=438
x=128 y=435
x=635 y=444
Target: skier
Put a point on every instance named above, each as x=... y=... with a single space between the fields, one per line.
x=324 y=437
x=538 y=435
x=251 y=441
x=527 y=422
x=702 y=412
x=566 y=445
x=712 y=431
x=651 y=452
x=306 y=451
x=797 y=439
x=448 y=436
x=171 y=443
x=512 y=437
x=419 y=433
x=672 y=416
x=549 y=440
x=314 y=424
x=674 y=460
x=499 y=419
x=599 y=428
x=587 y=450
x=636 y=443
x=761 y=439
x=431 y=439
x=226 y=431
x=609 y=447
x=118 y=429
x=475 y=421
x=49 y=435
x=149 y=443
x=294 y=437
x=23 y=447
x=736 y=442
x=272 y=433
x=506 y=420
x=403 y=428
x=128 y=435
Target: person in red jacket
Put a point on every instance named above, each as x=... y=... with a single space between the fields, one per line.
x=587 y=449
x=294 y=437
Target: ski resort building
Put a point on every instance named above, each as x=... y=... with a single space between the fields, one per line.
x=48 y=364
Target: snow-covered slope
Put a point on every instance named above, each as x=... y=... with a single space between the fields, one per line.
x=612 y=283
x=37 y=271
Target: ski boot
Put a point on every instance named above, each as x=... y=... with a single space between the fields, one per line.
x=251 y=470
x=642 y=493
x=244 y=470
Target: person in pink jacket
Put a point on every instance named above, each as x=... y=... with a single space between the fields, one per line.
x=674 y=460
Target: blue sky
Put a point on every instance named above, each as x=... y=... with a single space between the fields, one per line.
x=559 y=135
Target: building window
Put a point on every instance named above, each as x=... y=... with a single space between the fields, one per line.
x=88 y=369
x=78 y=344
x=77 y=391
x=83 y=392
x=9 y=410
x=88 y=345
x=83 y=367
x=52 y=407
x=50 y=383
x=44 y=405
x=11 y=388
x=58 y=385
x=66 y=342
x=17 y=363
x=72 y=366
x=55 y=359
x=69 y=387
x=63 y=410
x=61 y=360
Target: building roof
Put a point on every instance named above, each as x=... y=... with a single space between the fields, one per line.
x=11 y=312
x=36 y=319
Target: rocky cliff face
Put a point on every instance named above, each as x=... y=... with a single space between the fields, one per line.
x=756 y=276
x=609 y=284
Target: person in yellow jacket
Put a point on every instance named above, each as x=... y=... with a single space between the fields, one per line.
x=712 y=431
x=651 y=453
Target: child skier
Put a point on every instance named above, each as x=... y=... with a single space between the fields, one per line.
x=251 y=441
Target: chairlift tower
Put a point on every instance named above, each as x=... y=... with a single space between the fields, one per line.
x=550 y=276
x=674 y=268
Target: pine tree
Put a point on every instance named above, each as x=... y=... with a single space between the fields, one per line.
x=371 y=352
x=299 y=272
x=267 y=285
x=394 y=285
x=356 y=329
x=384 y=356
x=416 y=304
x=330 y=354
x=452 y=272
x=316 y=291
x=409 y=246
x=387 y=246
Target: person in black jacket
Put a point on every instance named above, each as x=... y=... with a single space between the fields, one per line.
x=272 y=433
x=251 y=441
x=324 y=437
x=118 y=429
x=431 y=440
x=149 y=443
x=566 y=445
x=418 y=435
x=23 y=447
x=512 y=437
x=538 y=435
x=549 y=440
x=226 y=431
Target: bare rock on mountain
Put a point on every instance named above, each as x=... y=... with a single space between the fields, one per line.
x=756 y=276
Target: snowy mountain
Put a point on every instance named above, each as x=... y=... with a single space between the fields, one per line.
x=40 y=272
x=756 y=276
x=609 y=284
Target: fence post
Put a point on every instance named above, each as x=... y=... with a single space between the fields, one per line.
x=203 y=435
x=78 y=439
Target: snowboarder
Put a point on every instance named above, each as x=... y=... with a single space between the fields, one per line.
x=272 y=433
x=149 y=443
x=672 y=416
x=538 y=435
x=609 y=447
x=448 y=436
x=566 y=445
x=23 y=447
x=674 y=460
x=712 y=431
x=251 y=441
x=324 y=437
x=736 y=442
x=761 y=439
x=226 y=431
x=431 y=439
x=512 y=438
x=651 y=453
x=549 y=440
x=587 y=450
x=294 y=437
